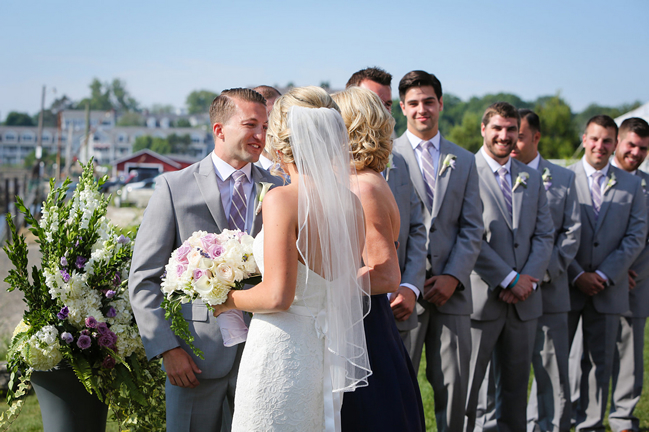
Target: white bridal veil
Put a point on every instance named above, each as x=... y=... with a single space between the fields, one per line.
x=331 y=238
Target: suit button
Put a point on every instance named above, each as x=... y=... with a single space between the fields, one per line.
x=596 y=244
x=515 y=245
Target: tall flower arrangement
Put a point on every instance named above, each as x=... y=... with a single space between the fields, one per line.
x=78 y=311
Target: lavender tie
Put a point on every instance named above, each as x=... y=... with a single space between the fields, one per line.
x=596 y=192
x=505 y=187
x=428 y=168
x=238 y=208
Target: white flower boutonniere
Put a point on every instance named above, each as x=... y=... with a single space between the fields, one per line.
x=547 y=178
x=389 y=166
x=449 y=162
x=263 y=188
x=612 y=181
x=521 y=180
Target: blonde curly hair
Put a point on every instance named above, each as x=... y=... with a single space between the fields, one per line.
x=278 y=135
x=369 y=125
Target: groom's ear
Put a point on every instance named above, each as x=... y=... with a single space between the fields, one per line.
x=217 y=128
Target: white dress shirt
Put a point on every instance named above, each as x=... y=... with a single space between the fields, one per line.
x=225 y=181
x=534 y=163
x=265 y=162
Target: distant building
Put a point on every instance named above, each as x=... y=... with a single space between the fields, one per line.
x=148 y=161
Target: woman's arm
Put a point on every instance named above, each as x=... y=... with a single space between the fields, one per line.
x=277 y=291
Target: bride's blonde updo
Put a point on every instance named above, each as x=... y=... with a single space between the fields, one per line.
x=369 y=125
x=278 y=135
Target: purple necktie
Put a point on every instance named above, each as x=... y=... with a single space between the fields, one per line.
x=238 y=208
x=505 y=187
x=596 y=192
x=428 y=168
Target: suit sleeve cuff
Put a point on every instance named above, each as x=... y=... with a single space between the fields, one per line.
x=577 y=277
x=510 y=277
x=412 y=288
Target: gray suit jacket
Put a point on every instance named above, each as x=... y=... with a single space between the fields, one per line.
x=183 y=202
x=611 y=243
x=522 y=243
x=454 y=223
x=639 y=296
x=564 y=208
x=412 y=231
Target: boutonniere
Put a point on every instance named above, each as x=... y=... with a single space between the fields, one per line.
x=547 y=178
x=449 y=162
x=389 y=166
x=612 y=181
x=521 y=180
x=643 y=183
x=263 y=188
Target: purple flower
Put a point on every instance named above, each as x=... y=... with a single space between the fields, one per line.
x=112 y=313
x=84 y=342
x=180 y=269
x=122 y=239
x=215 y=250
x=63 y=313
x=64 y=262
x=65 y=275
x=91 y=322
x=85 y=332
x=108 y=362
x=105 y=340
x=117 y=279
x=209 y=240
x=198 y=273
x=182 y=252
x=81 y=262
x=102 y=328
x=67 y=337
x=110 y=294
x=547 y=184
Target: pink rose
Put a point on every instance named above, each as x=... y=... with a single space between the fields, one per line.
x=182 y=251
x=180 y=269
x=198 y=273
x=215 y=251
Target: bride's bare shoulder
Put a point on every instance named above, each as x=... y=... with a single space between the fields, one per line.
x=280 y=198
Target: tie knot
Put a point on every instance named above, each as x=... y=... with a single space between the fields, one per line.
x=238 y=176
x=426 y=145
x=597 y=175
x=502 y=171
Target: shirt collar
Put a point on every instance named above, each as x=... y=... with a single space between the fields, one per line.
x=224 y=170
x=590 y=170
x=415 y=140
x=265 y=162
x=614 y=163
x=534 y=163
x=495 y=166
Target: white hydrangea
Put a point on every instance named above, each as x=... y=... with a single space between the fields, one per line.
x=128 y=339
x=42 y=351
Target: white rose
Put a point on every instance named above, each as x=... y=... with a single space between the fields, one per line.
x=225 y=273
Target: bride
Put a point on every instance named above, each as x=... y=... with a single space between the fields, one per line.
x=306 y=344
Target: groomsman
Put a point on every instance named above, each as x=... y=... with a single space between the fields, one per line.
x=446 y=180
x=516 y=249
x=549 y=408
x=270 y=94
x=613 y=233
x=628 y=362
x=412 y=232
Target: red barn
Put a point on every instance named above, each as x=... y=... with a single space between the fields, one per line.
x=148 y=163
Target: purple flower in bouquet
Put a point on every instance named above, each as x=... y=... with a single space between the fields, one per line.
x=108 y=362
x=209 y=240
x=65 y=275
x=67 y=337
x=180 y=269
x=81 y=262
x=122 y=239
x=63 y=313
x=105 y=340
x=84 y=342
x=102 y=328
x=110 y=294
x=85 y=332
x=215 y=250
x=117 y=279
x=198 y=273
x=182 y=252
x=112 y=313
x=64 y=262
x=91 y=322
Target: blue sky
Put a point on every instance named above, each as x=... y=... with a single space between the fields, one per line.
x=590 y=51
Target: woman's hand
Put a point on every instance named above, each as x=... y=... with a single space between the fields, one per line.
x=219 y=309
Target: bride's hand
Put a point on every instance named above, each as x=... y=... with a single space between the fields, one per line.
x=219 y=309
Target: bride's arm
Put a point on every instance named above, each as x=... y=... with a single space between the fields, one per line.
x=277 y=291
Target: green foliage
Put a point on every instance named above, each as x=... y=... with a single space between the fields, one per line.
x=19 y=119
x=401 y=123
x=130 y=119
x=172 y=144
x=173 y=311
x=160 y=145
x=595 y=109
x=183 y=123
x=559 y=138
x=142 y=142
x=109 y=96
x=179 y=143
x=48 y=158
x=467 y=134
x=199 y=101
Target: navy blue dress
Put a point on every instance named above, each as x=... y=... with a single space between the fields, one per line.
x=391 y=401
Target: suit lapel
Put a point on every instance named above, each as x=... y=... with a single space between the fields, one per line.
x=442 y=181
x=489 y=178
x=517 y=197
x=257 y=177
x=209 y=187
x=406 y=150
x=583 y=192
x=607 y=198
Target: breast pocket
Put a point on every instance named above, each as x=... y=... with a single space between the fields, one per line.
x=195 y=312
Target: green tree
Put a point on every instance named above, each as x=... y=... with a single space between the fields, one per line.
x=15 y=118
x=591 y=110
x=559 y=138
x=123 y=101
x=160 y=146
x=183 y=123
x=199 y=101
x=162 y=109
x=467 y=134
x=48 y=158
x=142 y=142
x=179 y=143
x=452 y=114
x=401 y=124
x=130 y=119
x=108 y=96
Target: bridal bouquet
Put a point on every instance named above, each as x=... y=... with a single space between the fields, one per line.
x=206 y=267
x=78 y=311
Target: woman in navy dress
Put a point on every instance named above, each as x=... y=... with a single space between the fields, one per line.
x=391 y=401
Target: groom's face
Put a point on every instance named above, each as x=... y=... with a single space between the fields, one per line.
x=241 y=139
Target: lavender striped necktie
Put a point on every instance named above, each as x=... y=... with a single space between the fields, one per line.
x=596 y=192
x=428 y=168
x=506 y=188
x=239 y=205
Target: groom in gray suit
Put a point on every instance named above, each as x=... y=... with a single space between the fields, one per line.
x=200 y=197
x=412 y=231
x=445 y=178
x=613 y=233
x=516 y=249
x=628 y=362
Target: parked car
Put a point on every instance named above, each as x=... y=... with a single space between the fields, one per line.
x=136 y=194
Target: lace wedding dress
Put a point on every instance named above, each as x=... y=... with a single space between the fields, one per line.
x=281 y=379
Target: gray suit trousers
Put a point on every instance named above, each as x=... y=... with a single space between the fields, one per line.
x=627 y=374
x=599 y=333
x=448 y=354
x=511 y=341
x=549 y=407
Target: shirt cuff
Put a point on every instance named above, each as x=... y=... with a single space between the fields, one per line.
x=412 y=288
x=510 y=277
x=534 y=286
x=602 y=275
x=577 y=277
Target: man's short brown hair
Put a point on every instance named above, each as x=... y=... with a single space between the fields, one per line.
x=223 y=106
x=604 y=121
x=267 y=92
x=503 y=109
x=375 y=74
x=636 y=125
x=419 y=78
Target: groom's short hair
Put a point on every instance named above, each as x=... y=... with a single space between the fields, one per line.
x=223 y=105
x=375 y=74
x=267 y=92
